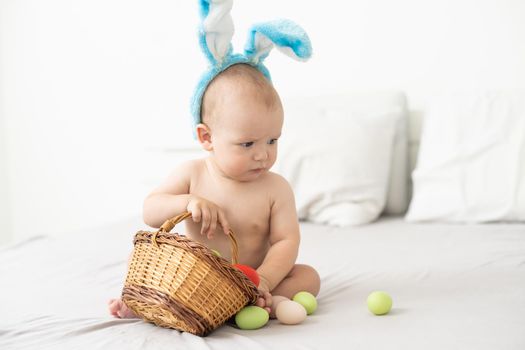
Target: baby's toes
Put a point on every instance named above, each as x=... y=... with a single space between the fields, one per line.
x=113 y=306
x=125 y=312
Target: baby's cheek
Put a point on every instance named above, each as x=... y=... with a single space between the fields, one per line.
x=271 y=159
x=231 y=166
x=239 y=164
x=273 y=156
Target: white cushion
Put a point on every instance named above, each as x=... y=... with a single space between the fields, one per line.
x=471 y=162
x=337 y=156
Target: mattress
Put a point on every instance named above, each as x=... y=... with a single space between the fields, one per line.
x=453 y=287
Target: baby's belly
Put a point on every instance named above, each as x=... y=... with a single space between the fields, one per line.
x=252 y=247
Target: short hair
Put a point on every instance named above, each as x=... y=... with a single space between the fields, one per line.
x=238 y=76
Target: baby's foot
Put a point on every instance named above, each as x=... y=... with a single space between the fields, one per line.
x=118 y=309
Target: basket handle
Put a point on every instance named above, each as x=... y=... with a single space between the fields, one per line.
x=169 y=224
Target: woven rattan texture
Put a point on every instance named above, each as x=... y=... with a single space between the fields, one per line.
x=175 y=282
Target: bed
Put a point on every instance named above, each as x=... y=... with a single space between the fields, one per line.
x=453 y=287
x=454 y=284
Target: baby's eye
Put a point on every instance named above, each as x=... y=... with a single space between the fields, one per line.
x=247 y=144
x=272 y=141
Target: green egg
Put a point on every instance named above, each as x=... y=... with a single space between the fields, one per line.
x=379 y=303
x=307 y=300
x=251 y=317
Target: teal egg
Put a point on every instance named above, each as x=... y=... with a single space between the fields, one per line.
x=251 y=317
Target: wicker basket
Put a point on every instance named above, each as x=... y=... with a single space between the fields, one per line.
x=177 y=283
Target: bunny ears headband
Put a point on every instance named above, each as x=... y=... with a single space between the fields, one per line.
x=215 y=35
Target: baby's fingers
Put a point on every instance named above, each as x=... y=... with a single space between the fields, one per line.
x=268 y=301
x=267 y=298
x=196 y=213
x=206 y=217
x=261 y=302
x=213 y=225
x=224 y=223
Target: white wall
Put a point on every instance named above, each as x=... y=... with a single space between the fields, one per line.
x=93 y=91
x=5 y=219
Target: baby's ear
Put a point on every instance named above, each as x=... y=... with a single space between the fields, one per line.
x=216 y=30
x=287 y=36
x=204 y=137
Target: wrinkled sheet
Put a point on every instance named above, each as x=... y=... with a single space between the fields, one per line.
x=453 y=286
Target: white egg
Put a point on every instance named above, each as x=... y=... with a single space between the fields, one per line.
x=290 y=312
x=276 y=300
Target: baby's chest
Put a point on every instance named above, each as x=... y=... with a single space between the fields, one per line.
x=247 y=211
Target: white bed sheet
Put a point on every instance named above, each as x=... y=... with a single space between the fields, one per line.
x=453 y=286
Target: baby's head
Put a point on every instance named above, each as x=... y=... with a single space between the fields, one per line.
x=242 y=118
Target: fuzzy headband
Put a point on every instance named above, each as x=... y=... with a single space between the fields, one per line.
x=215 y=33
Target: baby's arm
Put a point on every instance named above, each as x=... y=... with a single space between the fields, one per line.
x=173 y=198
x=284 y=237
x=170 y=198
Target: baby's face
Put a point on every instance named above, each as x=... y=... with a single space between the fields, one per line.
x=245 y=136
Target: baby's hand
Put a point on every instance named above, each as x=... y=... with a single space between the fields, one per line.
x=265 y=298
x=210 y=215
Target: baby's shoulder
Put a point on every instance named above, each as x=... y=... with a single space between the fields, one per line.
x=281 y=192
x=277 y=178
x=277 y=182
x=187 y=170
x=190 y=167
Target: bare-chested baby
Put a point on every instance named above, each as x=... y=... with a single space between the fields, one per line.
x=233 y=187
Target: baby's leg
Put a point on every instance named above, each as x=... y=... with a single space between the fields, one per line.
x=301 y=278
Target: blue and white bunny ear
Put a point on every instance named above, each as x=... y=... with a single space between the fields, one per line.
x=216 y=30
x=284 y=34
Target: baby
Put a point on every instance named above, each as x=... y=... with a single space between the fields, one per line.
x=233 y=187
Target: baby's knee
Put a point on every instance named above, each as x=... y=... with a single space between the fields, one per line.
x=310 y=276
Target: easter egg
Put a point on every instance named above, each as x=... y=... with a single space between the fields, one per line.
x=249 y=272
x=216 y=253
x=379 y=303
x=307 y=300
x=251 y=317
x=276 y=299
x=290 y=312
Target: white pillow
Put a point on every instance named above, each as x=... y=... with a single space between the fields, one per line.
x=471 y=163
x=337 y=160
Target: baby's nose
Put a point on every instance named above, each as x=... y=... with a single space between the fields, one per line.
x=261 y=154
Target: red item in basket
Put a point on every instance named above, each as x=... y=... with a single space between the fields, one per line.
x=249 y=272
